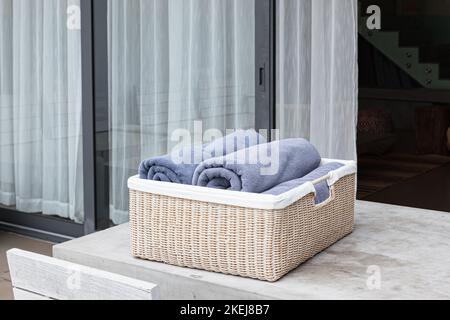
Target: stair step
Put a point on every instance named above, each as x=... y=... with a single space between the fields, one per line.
x=412 y=30
x=385 y=37
x=430 y=67
x=437 y=54
x=411 y=54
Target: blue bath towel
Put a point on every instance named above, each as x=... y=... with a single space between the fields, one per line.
x=322 y=189
x=258 y=168
x=180 y=170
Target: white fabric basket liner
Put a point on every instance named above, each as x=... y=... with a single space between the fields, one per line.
x=236 y=198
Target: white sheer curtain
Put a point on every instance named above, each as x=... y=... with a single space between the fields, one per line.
x=172 y=62
x=317 y=73
x=40 y=108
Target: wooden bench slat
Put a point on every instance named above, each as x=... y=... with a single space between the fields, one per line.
x=62 y=280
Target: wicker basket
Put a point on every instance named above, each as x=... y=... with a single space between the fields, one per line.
x=238 y=233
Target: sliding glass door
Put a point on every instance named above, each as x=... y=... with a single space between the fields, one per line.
x=41 y=169
x=174 y=64
x=90 y=88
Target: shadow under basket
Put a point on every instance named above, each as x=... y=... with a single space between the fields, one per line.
x=250 y=235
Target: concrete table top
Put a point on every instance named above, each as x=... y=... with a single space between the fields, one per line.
x=394 y=253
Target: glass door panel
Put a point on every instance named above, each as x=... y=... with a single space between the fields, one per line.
x=40 y=108
x=173 y=63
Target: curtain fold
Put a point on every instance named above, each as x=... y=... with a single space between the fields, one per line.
x=317 y=70
x=172 y=62
x=40 y=109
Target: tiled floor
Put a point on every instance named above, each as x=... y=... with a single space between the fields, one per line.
x=9 y=241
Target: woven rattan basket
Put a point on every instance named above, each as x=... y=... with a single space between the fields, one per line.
x=256 y=236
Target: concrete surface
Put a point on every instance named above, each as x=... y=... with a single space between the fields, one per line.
x=10 y=241
x=394 y=253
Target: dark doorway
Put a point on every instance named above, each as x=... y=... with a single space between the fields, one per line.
x=404 y=105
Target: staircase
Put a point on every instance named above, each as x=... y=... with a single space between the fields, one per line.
x=427 y=64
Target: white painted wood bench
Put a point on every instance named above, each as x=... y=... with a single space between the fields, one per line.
x=38 y=277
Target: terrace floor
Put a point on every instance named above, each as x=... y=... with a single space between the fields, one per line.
x=10 y=241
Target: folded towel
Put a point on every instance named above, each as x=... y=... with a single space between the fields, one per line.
x=180 y=170
x=322 y=189
x=260 y=167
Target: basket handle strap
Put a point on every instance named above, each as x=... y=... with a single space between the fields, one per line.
x=324 y=178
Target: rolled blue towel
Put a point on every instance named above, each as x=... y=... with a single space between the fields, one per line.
x=322 y=189
x=258 y=168
x=166 y=168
